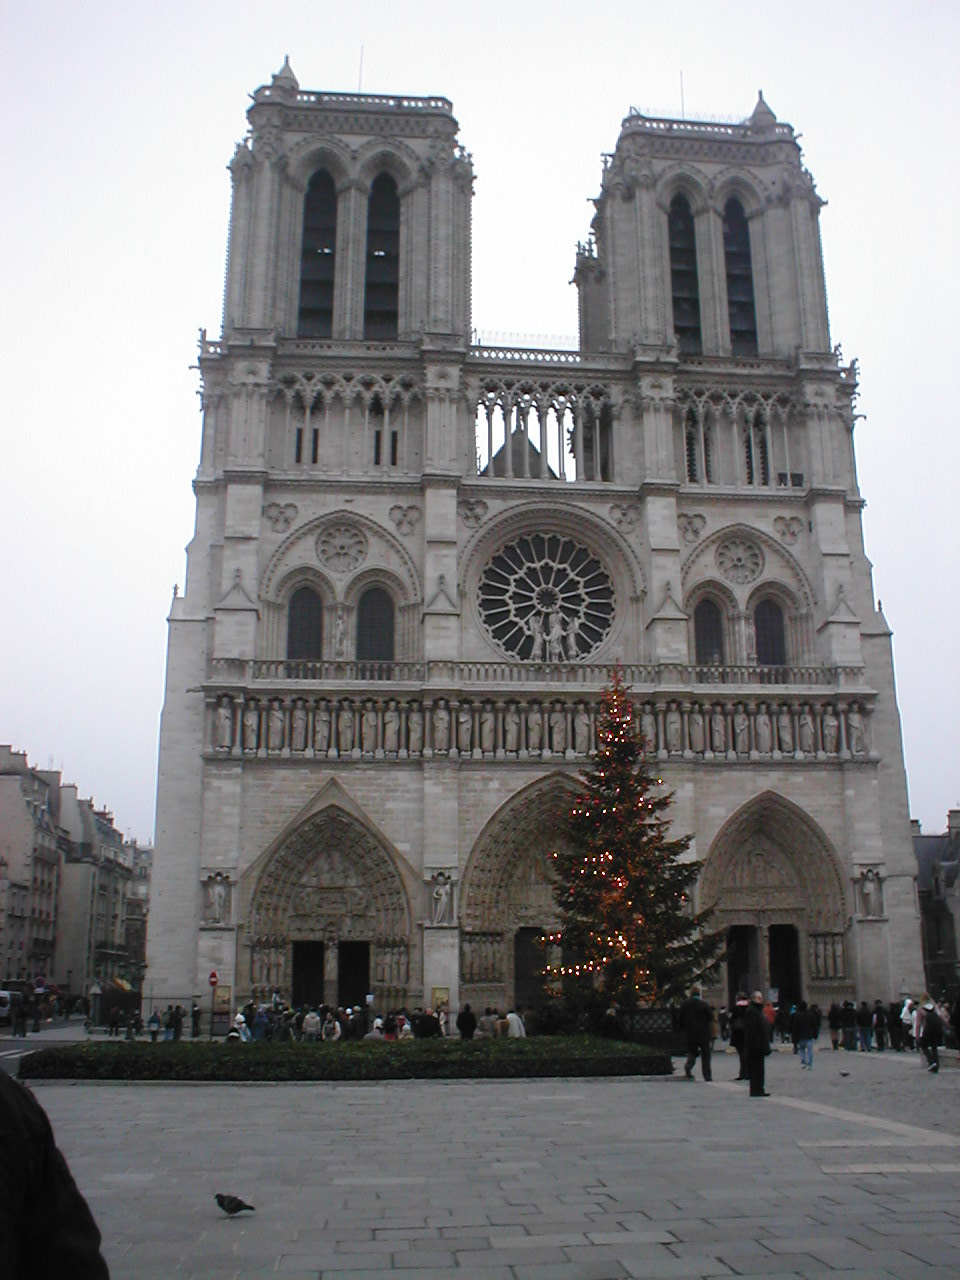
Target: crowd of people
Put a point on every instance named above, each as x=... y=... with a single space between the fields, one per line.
x=752 y=1024
x=309 y=1024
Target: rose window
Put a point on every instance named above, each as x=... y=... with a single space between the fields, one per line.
x=341 y=547
x=739 y=560
x=546 y=598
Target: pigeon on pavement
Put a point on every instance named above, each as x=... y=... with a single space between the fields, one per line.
x=232 y=1204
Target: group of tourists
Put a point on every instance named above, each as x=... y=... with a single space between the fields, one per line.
x=752 y=1024
x=309 y=1024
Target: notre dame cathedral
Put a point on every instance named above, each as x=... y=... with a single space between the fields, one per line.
x=416 y=560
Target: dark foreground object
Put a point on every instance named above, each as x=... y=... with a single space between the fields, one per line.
x=47 y=1232
x=232 y=1204
x=541 y=1056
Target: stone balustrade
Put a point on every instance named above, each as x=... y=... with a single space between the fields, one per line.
x=749 y=726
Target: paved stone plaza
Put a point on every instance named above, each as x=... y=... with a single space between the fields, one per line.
x=855 y=1174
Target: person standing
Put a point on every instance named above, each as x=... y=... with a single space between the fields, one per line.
x=466 y=1023
x=736 y=1032
x=805 y=1029
x=931 y=1036
x=696 y=1017
x=756 y=1036
x=195 y=1020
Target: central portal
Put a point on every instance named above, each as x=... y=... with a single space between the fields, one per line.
x=353 y=974
x=307 y=985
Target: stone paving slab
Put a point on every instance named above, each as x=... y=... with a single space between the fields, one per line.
x=852 y=1175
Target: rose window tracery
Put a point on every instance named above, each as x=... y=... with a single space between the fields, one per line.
x=341 y=547
x=546 y=598
x=739 y=560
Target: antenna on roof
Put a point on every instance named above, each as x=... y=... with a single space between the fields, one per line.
x=683 y=110
x=360 y=74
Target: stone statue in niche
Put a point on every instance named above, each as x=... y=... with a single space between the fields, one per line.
x=345 y=726
x=534 y=727
x=414 y=729
x=830 y=728
x=251 y=717
x=718 y=730
x=581 y=730
x=763 y=731
x=216 y=903
x=368 y=729
x=225 y=725
x=855 y=731
x=298 y=726
x=511 y=728
x=674 y=728
x=741 y=731
x=275 y=727
x=534 y=627
x=648 y=728
x=442 y=898
x=441 y=727
x=695 y=725
x=805 y=731
x=785 y=730
x=871 y=893
x=340 y=633
x=558 y=729
x=487 y=729
x=321 y=729
x=464 y=727
x=391 y=728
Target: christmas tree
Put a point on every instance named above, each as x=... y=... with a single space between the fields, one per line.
x=627 y=929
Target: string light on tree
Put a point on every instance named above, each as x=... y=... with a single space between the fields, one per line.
x=621 y=886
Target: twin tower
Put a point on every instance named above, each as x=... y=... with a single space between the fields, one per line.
x=417 y=559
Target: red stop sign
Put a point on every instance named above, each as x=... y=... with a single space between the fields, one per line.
x=213 y=979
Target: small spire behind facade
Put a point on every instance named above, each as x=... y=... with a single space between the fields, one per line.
x=284 y=78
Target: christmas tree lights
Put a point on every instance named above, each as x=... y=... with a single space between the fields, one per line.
x=624 y=894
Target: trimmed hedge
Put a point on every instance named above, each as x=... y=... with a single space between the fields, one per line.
x=539 y=1056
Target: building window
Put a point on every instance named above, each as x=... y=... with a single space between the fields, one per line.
x=684 y=284
x=757 y=452
x=317 y=257
x=381 y=299
x=771 y=643
x=691 y=446
x=708 y=634
x=740 y=304
x=305 y=625
x=375 y=626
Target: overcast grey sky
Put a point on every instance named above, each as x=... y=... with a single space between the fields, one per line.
x=119 y=120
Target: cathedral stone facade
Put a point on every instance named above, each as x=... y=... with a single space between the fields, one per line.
x=417 y=559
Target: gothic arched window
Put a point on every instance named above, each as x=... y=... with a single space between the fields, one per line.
x=756 y=451
x=684 y=284
x=708 y=634
x=691 y=446
x=305 y=625
x=740 y=304
x=317 y=256
x=375 y=626
x=771 y=639
x=381 y=302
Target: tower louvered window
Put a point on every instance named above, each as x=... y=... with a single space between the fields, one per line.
x=740 y=302
x=317 y=257
x=382 y=292
x=305 y=625
x=771 y=641
x=375 y=618
x=684 y=284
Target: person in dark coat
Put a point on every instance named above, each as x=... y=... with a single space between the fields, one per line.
x=466 y=1023
x=931 y=1037
x=46 y=1228
x=756 y=1039
x=696 y=1017
x=736 y=1032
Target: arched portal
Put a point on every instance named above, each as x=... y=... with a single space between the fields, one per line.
x=329 y=915
x=774 y=882
x=506 y=898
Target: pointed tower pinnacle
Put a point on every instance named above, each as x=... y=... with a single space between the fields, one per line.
x=763 y=120
x=284 y=78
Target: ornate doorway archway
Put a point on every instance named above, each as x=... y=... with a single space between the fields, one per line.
x=331 y=881
x=507 y=893
x=774 y=881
